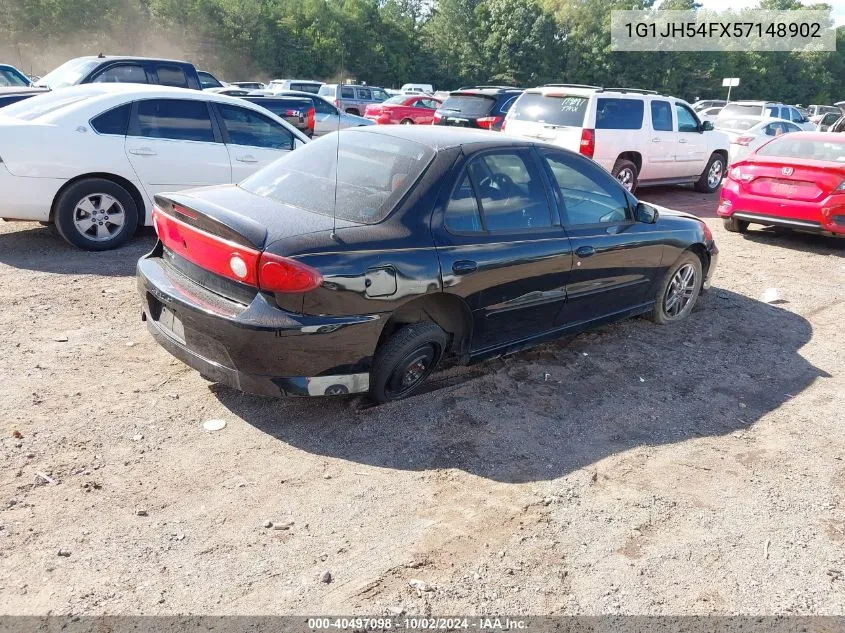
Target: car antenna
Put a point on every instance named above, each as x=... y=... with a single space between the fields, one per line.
x=336 y=169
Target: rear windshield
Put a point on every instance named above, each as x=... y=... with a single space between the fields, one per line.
x=400 y=99
x=281 y=107
x=740 y=109
x=365 y=176
x=552 y=110
x=791 y=147
x=619 y=114
x=734 y=123
x=469 y=105
x=44 y=104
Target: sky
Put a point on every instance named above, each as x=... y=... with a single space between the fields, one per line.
x=720 y=5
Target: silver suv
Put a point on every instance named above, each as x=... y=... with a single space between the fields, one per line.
x=351 y=98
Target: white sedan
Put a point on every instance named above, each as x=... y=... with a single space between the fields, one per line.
x=746 y=134
x=90 y=158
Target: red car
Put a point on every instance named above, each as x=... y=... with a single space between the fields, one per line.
x=404 y=109
x=795 y=181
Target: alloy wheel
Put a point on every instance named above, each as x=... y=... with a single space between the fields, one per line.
x=714 y=176
x=98 y=217
x=626 y=177
x=680 y=291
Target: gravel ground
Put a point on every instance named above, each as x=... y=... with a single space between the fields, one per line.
x=639 y=469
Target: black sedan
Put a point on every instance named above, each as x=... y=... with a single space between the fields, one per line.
x=358 y=267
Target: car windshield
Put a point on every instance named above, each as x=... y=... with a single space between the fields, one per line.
x=741 y=109
x=9 y=78
x=365 y=176
x=44 y=104
x=469 y=105
x=792 y=147
x=550 y=109
x=739 y=123
x=68 y=74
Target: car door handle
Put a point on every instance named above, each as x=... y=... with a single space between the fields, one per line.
x=248 y=158
x=585 y=251
x=464 y=267
x=682 y=140
x=655 y=140
x=141 y=151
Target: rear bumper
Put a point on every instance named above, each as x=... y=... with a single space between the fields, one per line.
x=25 y=198
x=258 y=348
x=827 y=216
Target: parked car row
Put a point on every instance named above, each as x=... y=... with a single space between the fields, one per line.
x=91 y=158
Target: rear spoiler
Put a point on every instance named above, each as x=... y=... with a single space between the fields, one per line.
x=213 y=219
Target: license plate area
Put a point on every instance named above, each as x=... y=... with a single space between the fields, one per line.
x=166 y=318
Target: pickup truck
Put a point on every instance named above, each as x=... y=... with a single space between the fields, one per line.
x=112 y=69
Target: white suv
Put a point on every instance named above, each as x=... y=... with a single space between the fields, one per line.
x=641 y=137
x=762 y=111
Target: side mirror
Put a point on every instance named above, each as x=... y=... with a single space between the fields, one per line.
x=297 y=143
x=646 y=214
x=707 y=126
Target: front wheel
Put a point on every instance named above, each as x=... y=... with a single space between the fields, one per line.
x=711 y=177
x=96 y=214
x=403 y=363
x=679 y=291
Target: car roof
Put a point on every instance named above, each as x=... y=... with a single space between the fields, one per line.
x=133 y=58
x=490 y=91
x=441 y=137
x=757 y=103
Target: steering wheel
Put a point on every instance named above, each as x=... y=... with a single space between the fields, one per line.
x=497 y=186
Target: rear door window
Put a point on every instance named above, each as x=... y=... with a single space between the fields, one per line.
x=562 y=110
x=619 y=114
x=172 y=76
x=364 y=94
x=661 y=116
x=246 y=127
x=176 y=119
x=124 y=73
x=469 y=105
x=347 y=92
x=462 y=214
x=511 y=192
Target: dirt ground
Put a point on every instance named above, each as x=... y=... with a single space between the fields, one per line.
x=635 y=469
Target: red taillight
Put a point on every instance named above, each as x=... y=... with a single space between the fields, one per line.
x=708 y=234
x=588 y=143
x=488 y=122
x=504 y=124
x=744 y=140
x=312 y=115
x=207 y=251
x=280 y=274
x=338 y=104
x=268 y=272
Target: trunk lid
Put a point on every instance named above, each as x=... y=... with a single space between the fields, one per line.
x=806 y=181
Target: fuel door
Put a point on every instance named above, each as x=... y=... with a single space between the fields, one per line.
x=380 y=282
